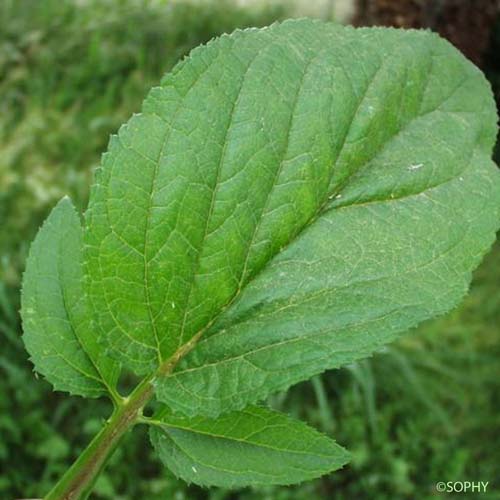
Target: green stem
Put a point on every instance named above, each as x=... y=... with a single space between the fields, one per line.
x=79 y=479
x=77 y=482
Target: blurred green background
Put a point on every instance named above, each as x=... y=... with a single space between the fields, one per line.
x=423 y=410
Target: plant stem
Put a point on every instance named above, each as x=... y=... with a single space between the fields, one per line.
x=77 y=482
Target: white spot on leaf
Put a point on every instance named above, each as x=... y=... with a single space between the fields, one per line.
x=415 y=166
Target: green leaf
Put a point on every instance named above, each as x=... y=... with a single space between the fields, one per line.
x=250 y=447
x=359 y=277
x=55 y=312
x=290 y=200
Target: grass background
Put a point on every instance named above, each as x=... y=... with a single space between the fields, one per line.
x=424 y=410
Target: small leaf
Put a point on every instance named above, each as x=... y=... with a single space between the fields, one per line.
x=55 y=313
x=255 y=446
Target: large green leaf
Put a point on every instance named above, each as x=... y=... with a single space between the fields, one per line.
x=296 y=197
x=359 y=277
x=249 y=447
x=56 y=317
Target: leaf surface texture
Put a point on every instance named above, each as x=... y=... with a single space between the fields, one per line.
x=58 y=332
x=250 y=447
x=295 y=197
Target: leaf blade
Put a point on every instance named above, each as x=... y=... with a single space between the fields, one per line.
x=55 y=313
x=252 y=144
x=187 y=231
x=253 y=447
x=438 y=164
x=269 y=343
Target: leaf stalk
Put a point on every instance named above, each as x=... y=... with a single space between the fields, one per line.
x=79 y=479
